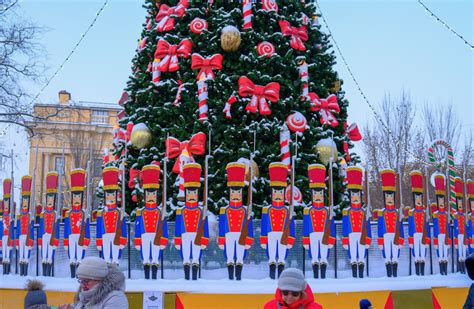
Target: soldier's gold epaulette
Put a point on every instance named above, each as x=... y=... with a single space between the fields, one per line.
x=179 y=211
x=100 y=213
x=222 y=210
x=435 y=215
x=345 y=211
x=469 y=216
x=410 y=213
x=380 y=212
x=41 y=215
x=139 y=211
x=265 y=210
x=66 y=214
x=306 y=211
x=455 y=216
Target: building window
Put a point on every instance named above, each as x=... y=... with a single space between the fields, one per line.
x=100 y=116
x=59 y=164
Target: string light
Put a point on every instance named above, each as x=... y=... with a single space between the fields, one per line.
x=83 y=35
x=377 y=116
x=445 y=24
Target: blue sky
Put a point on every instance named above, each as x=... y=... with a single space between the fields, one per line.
x=390 y=46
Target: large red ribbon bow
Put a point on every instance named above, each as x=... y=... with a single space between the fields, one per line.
x=298 y=34
x=165 y=17
x=169 y=54
x=206 y=65
x=353 y=133
x=260 y=95
x=195 y=146
x=326 y=108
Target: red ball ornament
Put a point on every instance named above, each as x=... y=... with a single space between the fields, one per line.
x=198 y=25
x=269 y=5
x=265 y=49
x=296 y=122
x=134 y=198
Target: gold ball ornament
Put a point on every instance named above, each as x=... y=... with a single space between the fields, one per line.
x=255 y=170
x=140 y=136
x=326 y=148
x=230 y=39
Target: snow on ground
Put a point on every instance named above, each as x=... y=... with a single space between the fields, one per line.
x=251 y=286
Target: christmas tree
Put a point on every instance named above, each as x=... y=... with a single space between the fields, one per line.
x=236 y=69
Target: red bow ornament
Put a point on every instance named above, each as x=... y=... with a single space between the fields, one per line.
x=353 y=134
x=169 y=54
x=259 y=94
x=206 y=65
x=166 y=15
x=185 y=150
x=298 y=34
x=326 y=107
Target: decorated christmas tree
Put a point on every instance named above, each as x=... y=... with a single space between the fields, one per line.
x=235 y=70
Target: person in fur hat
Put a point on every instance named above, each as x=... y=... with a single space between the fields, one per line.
x=102 y=286
x=35 y=297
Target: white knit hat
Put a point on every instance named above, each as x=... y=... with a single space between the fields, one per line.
x=92 y=268
x=292 y=279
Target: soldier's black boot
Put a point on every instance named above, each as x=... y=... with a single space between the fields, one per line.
x=272 y=270
x=21 y=269
x=441 y=268
x=354 y=270
x=417 y=268
x=195 y=271
x=146 y=270
x=281 y=267
x=26 y=269
x=361 y=270
x=238 y=271
x=422 y=268
x=44 y=269
x=463 y=263
x=4 y=268
x=445 y=268
x=154 y=271
x=7 y=268
x=187 y=268
x=388 y=266
x=48 y=270
x=394 y=269
x=324 y=266
x=316 y=270
x=230 y=270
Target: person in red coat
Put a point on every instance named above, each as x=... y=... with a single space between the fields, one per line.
x=293 y=292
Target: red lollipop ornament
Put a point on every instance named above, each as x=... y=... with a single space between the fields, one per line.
x=265 y=49
x=198 y=25
x=296 y=122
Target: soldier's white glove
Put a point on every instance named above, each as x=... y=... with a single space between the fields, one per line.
x=289 y=246
x=121 y=247
x=221 y=247
x=264 y=246
x=436 y=247
x=247 y=247
x=137 y=247
x=381 y=247
x=331 y=246
x=178 y=247
x=345 y=247
x=203 y=247
x=456 y=247
x=99 y=248
x=40 y=246
x=411 y=246
x=306 y=247
x=367 y=246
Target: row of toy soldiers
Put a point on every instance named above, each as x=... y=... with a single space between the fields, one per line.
x=235 y=222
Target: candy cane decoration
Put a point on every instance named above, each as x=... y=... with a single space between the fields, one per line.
x=155 y=72
x=285 y=146
x=247 y=14
x=303 y=70
x=232 y=99
x=451 y=168
x=202 y=97
x=177 y=100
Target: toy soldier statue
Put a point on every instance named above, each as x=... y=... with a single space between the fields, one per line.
x=318 y=228
x=6 y=227
x=442 y=234
x=232 y=221
x=148 y=221
x=25 y=226
x=274 y=220
x=189 y=220
x=390 y=229
x=76 y=223
x=356 y=230
x=48 y=239
x=470 y=208
x=109 y=221
x=418 y=225
x=460 y=233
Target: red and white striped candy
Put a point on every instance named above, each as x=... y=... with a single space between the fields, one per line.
x=202 y=96
x=177 y=99
x=265 y=49
x=296 y=122
x=247 y=14
x=297 y=196
x=155 y=72
x=285 y=146
x=303 y=71
x=198 y=25
x=269 y=5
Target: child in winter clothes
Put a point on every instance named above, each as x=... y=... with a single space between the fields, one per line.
x=469 y=304
x=293 y=292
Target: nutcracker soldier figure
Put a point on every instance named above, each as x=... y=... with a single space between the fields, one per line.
x=418 y=226
x=442 y=231
x=356 y=231
x=6 y=227
x=460 y=233
x=390 y=229
x=76 y=222
x=148 y=221
x=274 y=220
x=232 y=221
x=319 y=231
x=109 y=222
x=25 y=226
x=188 y=221
x=470 y=209
x=48 y=239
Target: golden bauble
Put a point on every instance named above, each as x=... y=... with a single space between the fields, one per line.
x=140 y=136
x=326 y=148
x=230 y=39
x=255 y=170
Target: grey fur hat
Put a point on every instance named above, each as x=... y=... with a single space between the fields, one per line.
x=292 y=279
